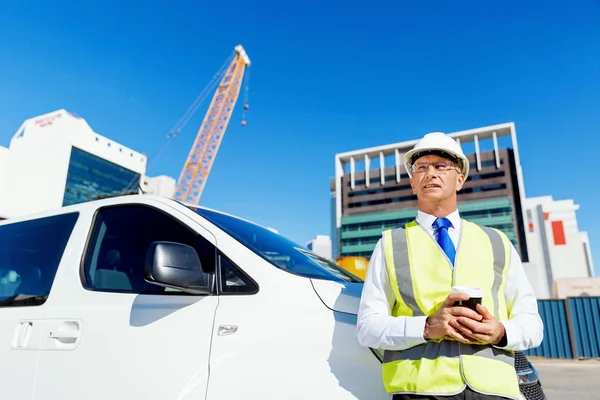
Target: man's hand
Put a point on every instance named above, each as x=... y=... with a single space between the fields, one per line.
x=442 y=324
x=488 y=331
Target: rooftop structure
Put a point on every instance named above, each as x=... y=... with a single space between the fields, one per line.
x=57 y=159
x=371 y=189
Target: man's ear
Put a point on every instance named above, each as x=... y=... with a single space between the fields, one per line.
x=412 y=185
x=460 y=181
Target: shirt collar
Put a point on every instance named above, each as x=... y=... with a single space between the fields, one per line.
x=427 y=220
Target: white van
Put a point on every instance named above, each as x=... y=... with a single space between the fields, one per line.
x=141 y=297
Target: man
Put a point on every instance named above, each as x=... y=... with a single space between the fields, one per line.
x=434 y=349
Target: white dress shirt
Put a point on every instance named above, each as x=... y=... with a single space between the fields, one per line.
x=377 y=329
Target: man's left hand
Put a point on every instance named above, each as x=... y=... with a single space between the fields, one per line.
x=488 y=331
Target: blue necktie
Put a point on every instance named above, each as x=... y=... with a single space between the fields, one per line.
x=442 y=225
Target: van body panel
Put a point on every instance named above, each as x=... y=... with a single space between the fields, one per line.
x=20 y=334
x=31 y=254
x=293 y=348
x=130 y=345
x=339 y=296
x=282 y=339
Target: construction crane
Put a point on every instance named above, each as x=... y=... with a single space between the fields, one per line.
x=202 y=155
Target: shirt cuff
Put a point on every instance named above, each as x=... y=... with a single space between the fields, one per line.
x=509 y=333
x=414 y=329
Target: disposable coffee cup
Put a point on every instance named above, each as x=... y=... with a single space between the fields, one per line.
x=475 y=296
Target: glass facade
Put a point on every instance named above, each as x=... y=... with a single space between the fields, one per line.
x=90 y=177
x=360 y=233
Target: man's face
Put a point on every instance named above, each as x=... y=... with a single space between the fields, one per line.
x=436 y=178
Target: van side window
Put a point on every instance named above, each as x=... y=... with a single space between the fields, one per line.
x=30 y=253
x=234 y=280
x=116 y=256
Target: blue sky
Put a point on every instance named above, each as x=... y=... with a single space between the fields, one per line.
x=325 y=78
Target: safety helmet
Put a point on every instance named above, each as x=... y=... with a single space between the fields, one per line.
x=440 y=144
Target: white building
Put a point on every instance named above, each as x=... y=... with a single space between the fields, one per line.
x=159 y=185
x=321 y=246
x=57 y=159
x=557 y=249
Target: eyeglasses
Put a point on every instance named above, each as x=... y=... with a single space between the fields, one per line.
x=441 y=167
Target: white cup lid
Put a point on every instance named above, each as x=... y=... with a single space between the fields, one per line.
x=470 y=291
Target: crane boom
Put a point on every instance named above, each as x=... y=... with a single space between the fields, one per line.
x=206 y=145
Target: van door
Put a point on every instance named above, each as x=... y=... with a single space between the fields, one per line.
x=30 y=253
x=115 y=336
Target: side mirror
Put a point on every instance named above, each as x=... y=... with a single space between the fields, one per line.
x=177 y=266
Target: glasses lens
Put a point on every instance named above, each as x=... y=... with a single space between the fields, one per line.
x=442 y=167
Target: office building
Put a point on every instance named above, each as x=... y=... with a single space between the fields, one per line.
x=57 y=159
x=560 y=258
x=371 y=190
x=321 y=246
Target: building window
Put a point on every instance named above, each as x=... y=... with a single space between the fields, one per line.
x=90 y=177
x=487 y=163
x=377 y=225
x=365 y=254
x=486 y=188
x=489 y=175
x=361 y=182
x=387 y=189
x=382 y=201
x=401 y=199
x=361 y=241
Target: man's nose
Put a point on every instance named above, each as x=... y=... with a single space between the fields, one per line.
x=431 y=171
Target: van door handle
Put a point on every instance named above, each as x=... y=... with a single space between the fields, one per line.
x=64 y=335
x=66 y=332
x=23 y=333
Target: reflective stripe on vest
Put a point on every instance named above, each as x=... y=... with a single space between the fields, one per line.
x=421 y=277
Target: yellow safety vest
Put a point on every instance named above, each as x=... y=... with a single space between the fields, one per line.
x=421 y=277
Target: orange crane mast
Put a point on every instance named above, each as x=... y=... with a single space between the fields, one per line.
x=202 y=155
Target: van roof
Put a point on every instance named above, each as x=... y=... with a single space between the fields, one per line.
x=108 y=201
x=92 y=204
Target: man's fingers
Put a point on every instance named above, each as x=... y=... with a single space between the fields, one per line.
x=484 y=312
x=480 y=330
x=473 y=337
x=473 y=326
x=465 y=329
x=477 y=338
x=457 y=336
x=454 y=334
x=454 y=297
x=465 y=312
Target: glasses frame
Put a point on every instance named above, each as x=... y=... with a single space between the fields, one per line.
x=441 y=167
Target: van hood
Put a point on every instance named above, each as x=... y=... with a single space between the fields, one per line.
x=339 y=296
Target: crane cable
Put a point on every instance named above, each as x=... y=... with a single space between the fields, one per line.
x=185 y=118
x=200 y=99
x=246 y=83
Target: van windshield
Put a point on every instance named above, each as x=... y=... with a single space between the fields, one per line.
x=278 y=250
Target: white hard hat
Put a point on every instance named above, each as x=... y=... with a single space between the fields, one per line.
x=437 y=143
